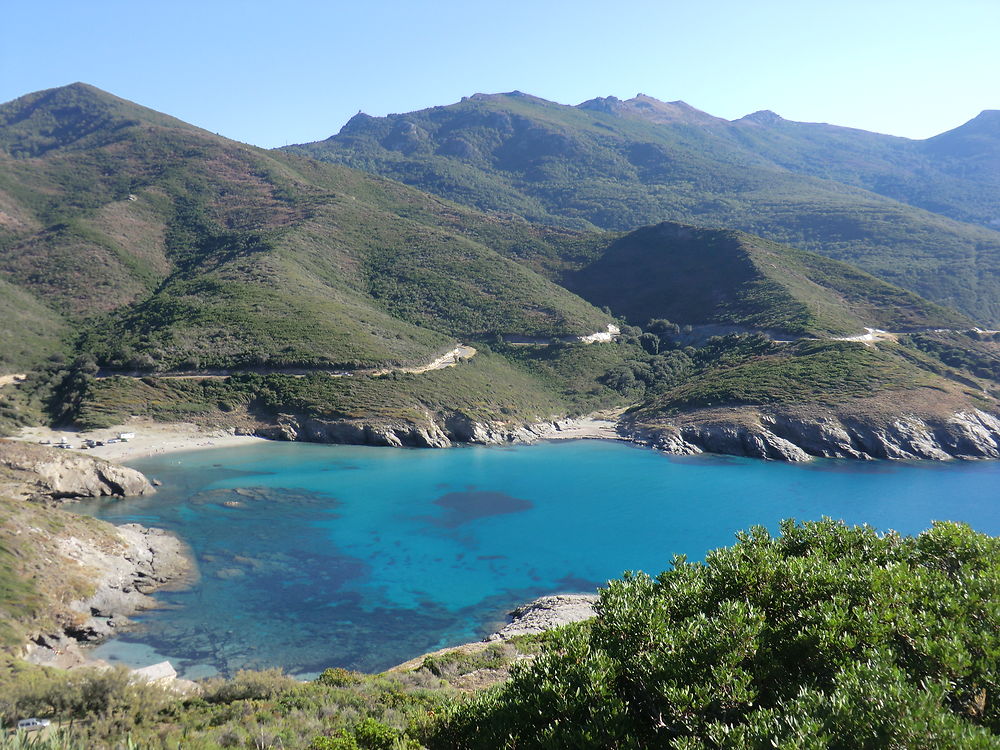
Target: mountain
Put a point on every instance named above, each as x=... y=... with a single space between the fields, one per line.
x=158 y=270
x=894 y=207
x=211 y=253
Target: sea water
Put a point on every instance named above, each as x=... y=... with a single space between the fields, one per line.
x=312 y=556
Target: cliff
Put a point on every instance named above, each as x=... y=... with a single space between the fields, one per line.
x=425 y=431
x=49 y=474
x=801 y=434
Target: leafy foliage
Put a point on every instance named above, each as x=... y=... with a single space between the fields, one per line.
x=826 y=636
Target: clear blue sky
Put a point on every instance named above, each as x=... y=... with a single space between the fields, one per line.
x=272 y=73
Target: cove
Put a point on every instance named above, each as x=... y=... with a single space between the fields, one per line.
x=312 y=556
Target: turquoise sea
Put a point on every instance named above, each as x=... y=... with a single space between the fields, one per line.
x=313 y=556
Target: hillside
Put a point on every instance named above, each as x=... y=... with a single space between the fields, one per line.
x=176 y=248
x=892 y=207
x=701 y=276
x=157 y=270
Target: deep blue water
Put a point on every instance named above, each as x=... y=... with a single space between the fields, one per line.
x=364 y=557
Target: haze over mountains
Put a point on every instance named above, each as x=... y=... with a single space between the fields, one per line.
x=237 y=286
x=918 y=213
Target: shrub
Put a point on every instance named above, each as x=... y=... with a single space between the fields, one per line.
x=826 y=636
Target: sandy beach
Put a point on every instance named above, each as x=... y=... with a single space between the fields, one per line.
x=149 y=439
x=154 y=438
x=585 y=427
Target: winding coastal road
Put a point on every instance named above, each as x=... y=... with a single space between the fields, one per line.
x=460 y=353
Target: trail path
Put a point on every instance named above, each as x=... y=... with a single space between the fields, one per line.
x=460 y=353
x=869 y=337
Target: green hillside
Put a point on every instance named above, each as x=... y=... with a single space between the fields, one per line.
x=172 y=247
x=704 y=276
x=141 y=246
x=956 y=174
x=620 y=165
x=29 y=331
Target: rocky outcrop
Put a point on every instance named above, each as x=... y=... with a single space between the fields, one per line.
x=731 y=439
x=547 y=612
x=90 y=576
x=140 y=561
x=791 y=436
x=431 y=431
x=49 y=473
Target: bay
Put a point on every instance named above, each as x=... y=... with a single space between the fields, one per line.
x=311 y=556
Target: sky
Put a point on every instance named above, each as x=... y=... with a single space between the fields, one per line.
x=273 y=73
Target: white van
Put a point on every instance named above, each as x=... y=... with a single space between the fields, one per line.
x=30 y=725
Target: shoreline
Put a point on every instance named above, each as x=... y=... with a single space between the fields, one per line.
x=150 y=439
x=157 y=438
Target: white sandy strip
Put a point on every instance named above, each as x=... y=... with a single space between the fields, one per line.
x=585 y=427
x=150 y=439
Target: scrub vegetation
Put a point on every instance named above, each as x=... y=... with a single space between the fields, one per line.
x=823 y=636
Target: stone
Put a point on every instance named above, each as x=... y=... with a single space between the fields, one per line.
x=547 y=612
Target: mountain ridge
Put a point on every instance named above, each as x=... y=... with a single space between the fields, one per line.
x=837 y=191
x=295 y=294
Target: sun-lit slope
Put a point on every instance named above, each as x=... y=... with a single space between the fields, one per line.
x=705 y=276
x=620 y=167
x=205 y=252
x=29 y=331
x=954 y=174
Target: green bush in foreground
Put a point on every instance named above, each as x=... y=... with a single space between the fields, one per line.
x=823 y=637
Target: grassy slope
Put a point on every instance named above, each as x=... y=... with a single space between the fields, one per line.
x=847 y=377
x=29 y=330
x=489 y=387
x=584 y=168
x=699 y=276
x=954 y=173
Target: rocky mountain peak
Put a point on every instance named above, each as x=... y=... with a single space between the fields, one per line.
x=763 y=117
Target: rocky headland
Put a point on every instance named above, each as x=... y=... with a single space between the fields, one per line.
x=139 y=561
x=40 y=473
x=479 y=665
x=545 y=613
x=800 y=435
x=82 y=577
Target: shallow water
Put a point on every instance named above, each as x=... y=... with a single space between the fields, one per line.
x=314 y=555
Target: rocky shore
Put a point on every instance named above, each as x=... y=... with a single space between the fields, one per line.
x=787 y=435
x=795 y=436
x=545 y=613
x=429 y=432
x=143 y=561
x=88 y=576
x=41 y=473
